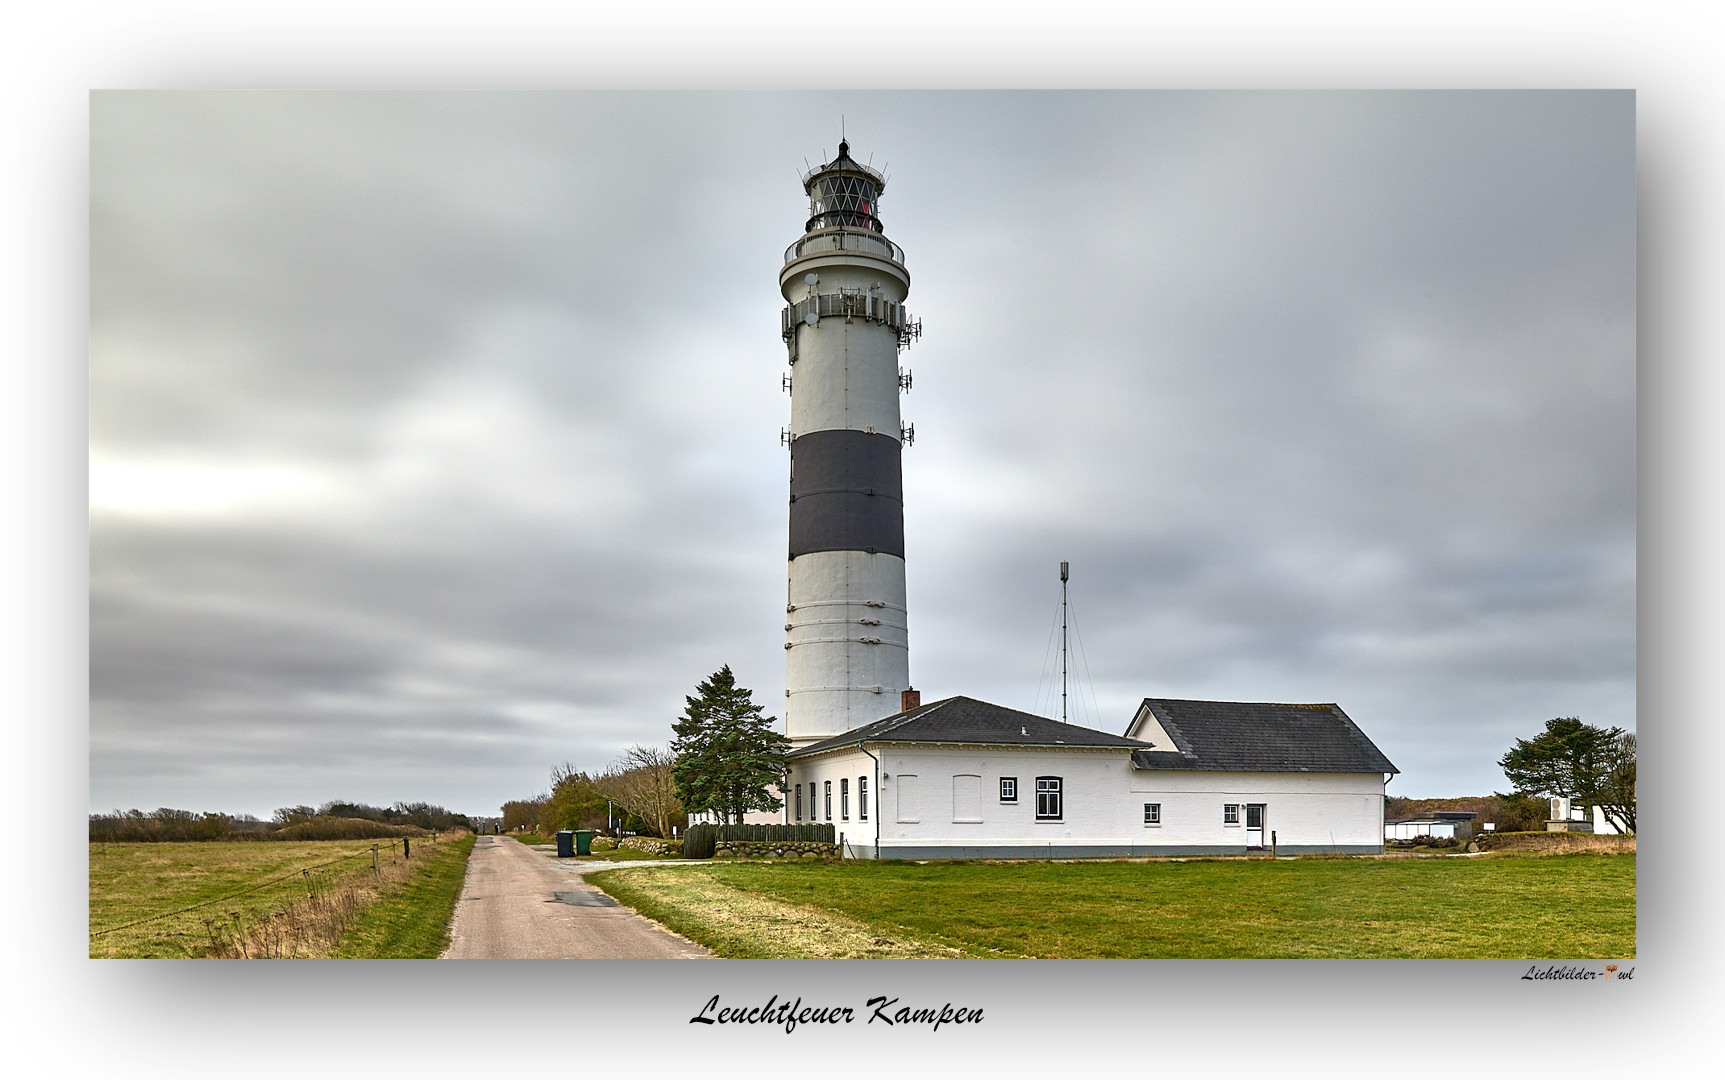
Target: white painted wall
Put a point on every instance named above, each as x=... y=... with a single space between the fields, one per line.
x=753 y=817
x=857 y=827
x=1146 y=728
x=1602 y=824
x=1303 y=809
x=846 y=376
x=1408 y=830
x=846 y=370
x=1103 y=800
x=837 y=600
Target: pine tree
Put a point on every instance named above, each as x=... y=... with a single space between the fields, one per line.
x=729 y=758
x=1568 y=759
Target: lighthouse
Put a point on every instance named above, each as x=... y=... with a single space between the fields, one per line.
x=847 y=644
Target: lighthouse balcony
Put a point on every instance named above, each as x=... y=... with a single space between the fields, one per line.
x=825 y=241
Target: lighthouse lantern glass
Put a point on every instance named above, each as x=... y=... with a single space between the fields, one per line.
x=844 y=199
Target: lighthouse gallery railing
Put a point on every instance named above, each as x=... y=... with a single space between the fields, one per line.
x=844 y=240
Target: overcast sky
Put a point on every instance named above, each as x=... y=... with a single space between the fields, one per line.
x=434 y=436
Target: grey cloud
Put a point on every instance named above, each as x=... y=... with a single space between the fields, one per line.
x=1325 y=396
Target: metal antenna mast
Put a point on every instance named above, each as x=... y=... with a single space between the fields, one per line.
x=1063 y=643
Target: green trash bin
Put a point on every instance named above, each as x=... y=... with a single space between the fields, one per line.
x=583 y=841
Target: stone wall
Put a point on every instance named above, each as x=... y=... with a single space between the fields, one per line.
x=652 y=845
x=774 y=849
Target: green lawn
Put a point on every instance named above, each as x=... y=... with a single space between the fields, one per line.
x=1563 y=906
x=413 y=924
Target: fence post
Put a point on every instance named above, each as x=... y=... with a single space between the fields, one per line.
x=406 y=851
x=1272 y=843
x=375 y=869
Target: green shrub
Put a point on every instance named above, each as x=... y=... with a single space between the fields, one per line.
x=1423 y=841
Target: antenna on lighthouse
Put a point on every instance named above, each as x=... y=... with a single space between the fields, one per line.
x=1063 y=575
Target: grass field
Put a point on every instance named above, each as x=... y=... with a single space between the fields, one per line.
x=1556 y=906
x=180 y=900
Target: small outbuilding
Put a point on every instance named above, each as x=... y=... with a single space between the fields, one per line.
x=1442 y=825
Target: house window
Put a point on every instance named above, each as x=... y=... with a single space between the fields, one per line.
x=799 y=802
x=829 y=798
x=1230 y=813
x=1048 y=798
x=845 y=799
x=1152 y=813
x=1009 y=789
x=862 y=798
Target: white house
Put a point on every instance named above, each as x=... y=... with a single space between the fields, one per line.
x=1568 y=817
x=961 y=778
x=1602 y=824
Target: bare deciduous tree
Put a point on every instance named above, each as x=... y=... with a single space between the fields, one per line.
x=522 y=813
x=640 y=781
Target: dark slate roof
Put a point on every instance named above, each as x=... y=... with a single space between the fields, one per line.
x=967 y=720
x=1239 y=736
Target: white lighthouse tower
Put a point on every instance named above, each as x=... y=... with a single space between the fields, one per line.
x=847 y=647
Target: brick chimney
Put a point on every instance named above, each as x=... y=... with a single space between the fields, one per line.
x=909 y=700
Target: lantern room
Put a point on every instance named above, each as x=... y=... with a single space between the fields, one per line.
x=844 y=194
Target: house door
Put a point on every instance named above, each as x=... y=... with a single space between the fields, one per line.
x=1254 y=825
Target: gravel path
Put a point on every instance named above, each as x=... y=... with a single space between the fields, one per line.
x=519 y=904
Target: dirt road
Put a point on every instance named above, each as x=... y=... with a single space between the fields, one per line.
x=520 y=905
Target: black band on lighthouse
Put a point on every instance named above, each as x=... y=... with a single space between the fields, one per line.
x=847 y=493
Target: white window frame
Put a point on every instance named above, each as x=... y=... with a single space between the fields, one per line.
x=1009 y=789
x=1050 y=789
x=827 y=791
x=862 y=798
x=1231 y=815
x=799 y=802
x=844 y=798
x=1153 y=815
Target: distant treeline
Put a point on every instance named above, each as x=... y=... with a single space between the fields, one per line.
x=332 y=821
x=1508 y=813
